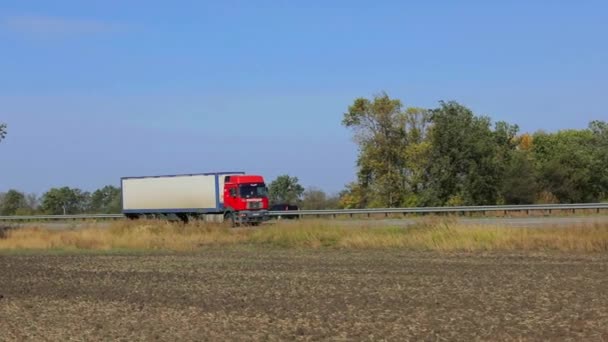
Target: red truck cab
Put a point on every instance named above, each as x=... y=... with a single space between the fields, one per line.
x=245 y=199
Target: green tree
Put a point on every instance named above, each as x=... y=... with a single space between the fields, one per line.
x=599 y=178
x=106 y=200
x=65 y=200
x=415 y=154
x=379 y=130
x=12 y=202
x=463 y=165
x=285 y=189
x=519 y=184
x=566 y=163
x=507 y=158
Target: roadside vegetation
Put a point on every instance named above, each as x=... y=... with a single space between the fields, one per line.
x=428 y=235
x=449 y=155
x=413 y=157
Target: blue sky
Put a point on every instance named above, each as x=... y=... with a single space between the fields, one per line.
x=96 y=90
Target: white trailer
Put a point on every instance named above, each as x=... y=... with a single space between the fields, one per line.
x=174 y=194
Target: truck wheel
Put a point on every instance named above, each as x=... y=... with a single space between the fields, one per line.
x=183 y=217
x=229 y=219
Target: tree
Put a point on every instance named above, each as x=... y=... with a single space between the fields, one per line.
x=352 y=197
x=415 y=153
x=507 y=144
x=566 y=164
x=520 y=185
x=464 y=157
x=525 y=142
x=2 y=131
x=313 y=199
x=32 y=202
x=65 y=200
x=12 y=202
x=106 y=200
x=285 y=189
x=391 y=145
x=599 y=130
x=316 y=199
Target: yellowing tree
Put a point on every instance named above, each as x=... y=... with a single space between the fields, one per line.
x=526 y=142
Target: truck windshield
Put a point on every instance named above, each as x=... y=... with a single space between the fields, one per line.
x=253 y=190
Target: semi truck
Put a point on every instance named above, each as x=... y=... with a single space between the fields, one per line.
x=233 y=197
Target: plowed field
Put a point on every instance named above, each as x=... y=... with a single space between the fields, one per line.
x=274 y=294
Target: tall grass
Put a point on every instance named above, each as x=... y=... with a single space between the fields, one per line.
x=433 y=235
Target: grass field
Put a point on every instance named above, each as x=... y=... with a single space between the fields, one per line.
x=237 y=293
x=429 y=235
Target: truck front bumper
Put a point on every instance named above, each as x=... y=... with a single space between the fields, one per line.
x=249 y=216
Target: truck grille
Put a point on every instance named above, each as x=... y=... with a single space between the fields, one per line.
x=254 y=205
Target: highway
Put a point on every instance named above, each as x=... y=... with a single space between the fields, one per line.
x=522 y=222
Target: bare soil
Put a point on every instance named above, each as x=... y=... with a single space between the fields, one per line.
x=274 y=294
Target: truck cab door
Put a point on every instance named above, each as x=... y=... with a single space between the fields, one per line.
x=230 y=197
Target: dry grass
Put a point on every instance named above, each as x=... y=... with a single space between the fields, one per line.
x=432 y=234
x=143 y=235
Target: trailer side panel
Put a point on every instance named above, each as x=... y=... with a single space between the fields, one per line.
x=171 y=193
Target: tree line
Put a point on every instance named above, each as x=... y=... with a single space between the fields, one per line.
x=107 y=200
x=450 y=156
x=62 y=201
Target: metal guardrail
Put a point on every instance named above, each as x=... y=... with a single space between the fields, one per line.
x=62 y=217
x=351 y=212
x=455 y=210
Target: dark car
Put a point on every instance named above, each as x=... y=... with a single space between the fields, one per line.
x=285 y=207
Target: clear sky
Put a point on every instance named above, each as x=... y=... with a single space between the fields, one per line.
x=96 y=90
